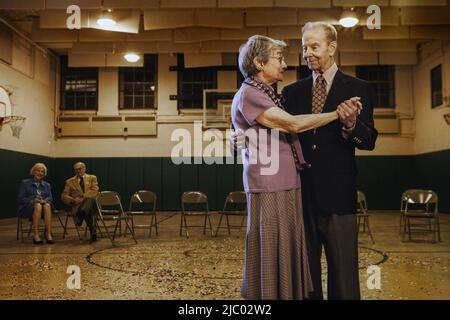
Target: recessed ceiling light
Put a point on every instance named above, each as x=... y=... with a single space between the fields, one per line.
x=106 y=23
x=132 y=57
x=349 y=19
x=348 y=22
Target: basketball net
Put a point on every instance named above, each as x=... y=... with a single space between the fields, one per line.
x=15 y=123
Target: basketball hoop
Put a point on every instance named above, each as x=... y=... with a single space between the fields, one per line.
x=6 y=112
x=4 y=120
x=16 y=124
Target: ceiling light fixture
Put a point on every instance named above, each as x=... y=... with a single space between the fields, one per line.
x=132 y=57
x=106 y=20
x=349 y=18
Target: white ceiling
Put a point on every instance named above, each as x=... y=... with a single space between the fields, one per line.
x=218 y=26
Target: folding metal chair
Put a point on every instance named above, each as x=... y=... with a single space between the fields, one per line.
x=143 y=203
x=110 y=209
x=403 y=200
x=362 y=214
x=71 y=215
x=420 y=204
x=20 y=229
x=194 y=203
x=235 y=205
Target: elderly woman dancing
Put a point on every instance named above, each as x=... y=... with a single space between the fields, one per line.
x=276 y=262
x=35 y=197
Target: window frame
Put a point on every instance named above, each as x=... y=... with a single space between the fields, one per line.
x=65 y=70
x=134 y=69
x=377 y=82
x=180 y=82
x=441 y=86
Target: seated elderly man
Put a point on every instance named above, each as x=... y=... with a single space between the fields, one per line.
x=79 y=193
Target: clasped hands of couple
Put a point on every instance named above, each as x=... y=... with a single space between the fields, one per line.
x=347 y=113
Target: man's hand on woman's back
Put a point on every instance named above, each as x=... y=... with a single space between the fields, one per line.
x=237 y=139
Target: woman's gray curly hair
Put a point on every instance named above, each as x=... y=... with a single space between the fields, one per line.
x=259 y=47
x=36 y=166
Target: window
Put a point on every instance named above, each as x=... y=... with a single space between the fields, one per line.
x=79 y=87
x=192 y=82
x=436 y=86
x=137 y=85
x=382 y=78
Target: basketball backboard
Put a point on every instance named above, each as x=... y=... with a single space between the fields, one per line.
x=5 y=105
x=217 y=108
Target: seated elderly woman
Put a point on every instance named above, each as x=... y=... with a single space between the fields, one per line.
x=35 y=197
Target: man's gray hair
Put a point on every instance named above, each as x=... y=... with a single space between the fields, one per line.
x=259 y=47
x=81 y=163
x=329 y=29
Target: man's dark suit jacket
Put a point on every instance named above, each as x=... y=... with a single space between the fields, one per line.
x=330 y=157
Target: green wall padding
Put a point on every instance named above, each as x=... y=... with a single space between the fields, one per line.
x=381 y=178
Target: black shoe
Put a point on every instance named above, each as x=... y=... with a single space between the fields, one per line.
x=49 y=241
x=38 y=241
x=93 y=238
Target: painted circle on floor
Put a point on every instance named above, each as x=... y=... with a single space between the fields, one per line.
x=218 y=258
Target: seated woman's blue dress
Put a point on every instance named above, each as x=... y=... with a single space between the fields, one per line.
x=29 y=190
